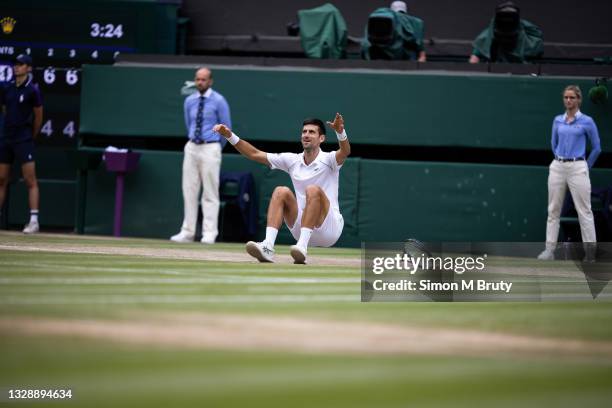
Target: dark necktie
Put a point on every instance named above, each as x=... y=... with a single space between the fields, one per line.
x=199 y=120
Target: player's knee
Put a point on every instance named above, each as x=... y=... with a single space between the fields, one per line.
x=313 y=191
x=281 y=192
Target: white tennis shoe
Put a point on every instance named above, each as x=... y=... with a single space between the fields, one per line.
x=261 y=251
x=208 y=239
x=182 y=238
x=31 y=228
x=547 y=255
x=298 y=254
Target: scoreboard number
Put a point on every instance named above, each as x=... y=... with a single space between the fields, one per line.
x=6 y=73
x=49 y=75
x=69 y=129
x=47 y=128
x=72 y=78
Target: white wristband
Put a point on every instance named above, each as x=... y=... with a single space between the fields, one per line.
x=233 y=139
x=342 y=136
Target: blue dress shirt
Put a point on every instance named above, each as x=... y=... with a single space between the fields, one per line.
x=216 y=110
x=569 y=139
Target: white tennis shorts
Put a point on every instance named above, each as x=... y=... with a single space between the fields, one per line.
x=324 y=236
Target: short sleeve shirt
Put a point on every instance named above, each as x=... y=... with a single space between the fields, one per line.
x=324 y=172
x=20 y=102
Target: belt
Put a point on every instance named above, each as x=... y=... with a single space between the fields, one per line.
x=568 y=159
x=199 y=142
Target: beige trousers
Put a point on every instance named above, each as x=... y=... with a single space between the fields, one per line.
x=576 y=176
x=201 y=167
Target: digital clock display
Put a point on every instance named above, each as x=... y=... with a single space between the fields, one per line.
x=106 y=30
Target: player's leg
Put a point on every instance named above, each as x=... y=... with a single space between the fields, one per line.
x=191 y=184
x=316 y=209
x=210 y=167
x=28 y=170
x=314 y=214
x=557 y=187
x=283 y=205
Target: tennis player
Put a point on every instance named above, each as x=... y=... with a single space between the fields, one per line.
x=312 y=214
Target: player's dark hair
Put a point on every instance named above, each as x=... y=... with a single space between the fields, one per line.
x=317 y=122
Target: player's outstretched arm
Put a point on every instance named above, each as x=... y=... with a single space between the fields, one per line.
x=245 y=148
x=345 y=146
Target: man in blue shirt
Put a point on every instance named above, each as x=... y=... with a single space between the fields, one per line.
x=202 y=160
x=22 y=105
x=570 y=168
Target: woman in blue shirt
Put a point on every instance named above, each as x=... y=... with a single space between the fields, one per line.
x=570 y=168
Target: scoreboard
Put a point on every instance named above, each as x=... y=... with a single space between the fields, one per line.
x=75 y=32
x=66 y=37
x=61 y=90
x=62 y=35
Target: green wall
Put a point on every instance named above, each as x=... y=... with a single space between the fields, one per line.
x=454 y=201
x=431 y=109
x=153 y=203
x=380 y=200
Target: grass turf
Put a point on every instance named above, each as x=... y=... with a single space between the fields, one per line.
x=101 y=373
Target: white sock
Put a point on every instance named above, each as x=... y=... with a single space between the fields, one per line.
x=271 y=233
x=33 y=215
x=305 y=234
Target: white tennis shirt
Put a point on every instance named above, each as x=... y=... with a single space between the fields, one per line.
x=324 y=172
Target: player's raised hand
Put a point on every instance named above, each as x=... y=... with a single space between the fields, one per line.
x=223 y=130
x=337 y=124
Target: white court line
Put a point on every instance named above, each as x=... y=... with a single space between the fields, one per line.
x=255 y=269
x=174 y=254
x=163 y=281
x=49 y=268
x=135 y=299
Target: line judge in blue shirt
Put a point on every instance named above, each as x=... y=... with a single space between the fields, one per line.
x=202 y=160
x=570 y=168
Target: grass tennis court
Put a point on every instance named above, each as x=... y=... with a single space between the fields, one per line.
x=134 y=322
